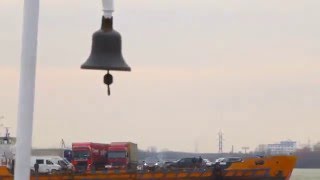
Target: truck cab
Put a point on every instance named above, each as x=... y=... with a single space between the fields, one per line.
x=117 y=157
x=89 y=156
x=122 y=155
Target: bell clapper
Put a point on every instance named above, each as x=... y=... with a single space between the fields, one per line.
x=108 y=79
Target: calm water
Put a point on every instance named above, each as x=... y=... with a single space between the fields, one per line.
x=305 y=174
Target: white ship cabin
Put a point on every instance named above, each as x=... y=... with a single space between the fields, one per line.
x=7 y=149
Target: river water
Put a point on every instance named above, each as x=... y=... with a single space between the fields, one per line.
x=305 y=174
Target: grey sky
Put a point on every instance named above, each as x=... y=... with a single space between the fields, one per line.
x=249 y=68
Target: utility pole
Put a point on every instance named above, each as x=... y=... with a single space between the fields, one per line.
x=1 y=124
x=220 y=136
x=63 y=145
x=245 y=149
x=196 y=146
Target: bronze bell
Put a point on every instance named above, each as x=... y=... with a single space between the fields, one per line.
x=106 y=49
x=106 y=52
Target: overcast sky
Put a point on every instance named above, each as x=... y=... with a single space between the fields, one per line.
x=248 y=68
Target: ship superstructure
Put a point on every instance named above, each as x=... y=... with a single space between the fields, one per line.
x=7 y=148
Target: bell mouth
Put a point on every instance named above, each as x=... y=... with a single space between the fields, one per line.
x=93 y=67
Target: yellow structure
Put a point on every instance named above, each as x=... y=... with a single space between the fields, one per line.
x=266 y=168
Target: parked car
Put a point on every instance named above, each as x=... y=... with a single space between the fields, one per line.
x=159 y=164
x=63 y=162
x=207 y=163
x=152 y=164
x=46 y=164
x=140 y=165
x=186 y=163
x=226 y=162
x=167 y=163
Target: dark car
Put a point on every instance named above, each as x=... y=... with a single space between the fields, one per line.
x=167 y=164
x=187 y=163
x=152 y=164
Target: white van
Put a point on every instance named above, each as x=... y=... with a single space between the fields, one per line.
x=64 y=163
x=46 y=165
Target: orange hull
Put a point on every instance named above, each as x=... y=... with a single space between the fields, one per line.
x=273 y=166
x=268 y=168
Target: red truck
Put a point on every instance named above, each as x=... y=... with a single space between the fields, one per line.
x=122 y=155
x=89 y=156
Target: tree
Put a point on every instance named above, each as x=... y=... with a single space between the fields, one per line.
x=316 y=147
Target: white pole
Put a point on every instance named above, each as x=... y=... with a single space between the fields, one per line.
x=108 y=8
x=26 y=89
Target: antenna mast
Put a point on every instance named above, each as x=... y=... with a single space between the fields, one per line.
x=63 y=145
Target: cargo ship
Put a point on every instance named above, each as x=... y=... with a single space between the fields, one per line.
x=250 y=168
x=254 y=168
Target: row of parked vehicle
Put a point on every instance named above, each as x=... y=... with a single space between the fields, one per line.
x=151 y=164
x=55 y=164
x=88 y=156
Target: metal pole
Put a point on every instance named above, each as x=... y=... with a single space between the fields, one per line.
x=108 y=8
x=26 y=89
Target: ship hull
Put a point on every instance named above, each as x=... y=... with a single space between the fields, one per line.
x=268 y=168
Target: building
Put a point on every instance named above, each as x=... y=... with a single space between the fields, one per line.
x=284 y=147
x=261 y=149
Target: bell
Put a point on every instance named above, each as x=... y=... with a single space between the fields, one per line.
x=106 y=49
